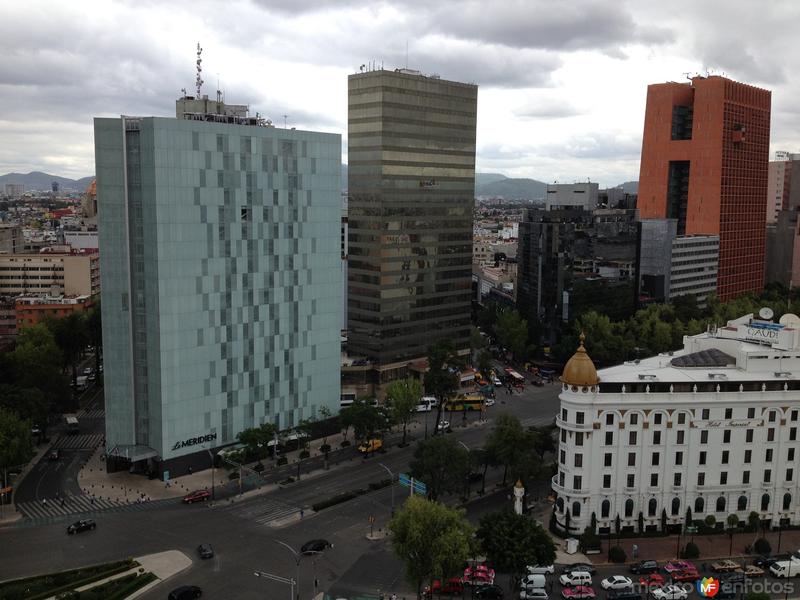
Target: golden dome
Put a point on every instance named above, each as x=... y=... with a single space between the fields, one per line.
x=92 y=189
x=579 y=369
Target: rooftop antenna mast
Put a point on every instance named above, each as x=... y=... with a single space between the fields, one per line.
x=199 y=81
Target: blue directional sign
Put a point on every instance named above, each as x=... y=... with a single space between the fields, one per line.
x=418 y=487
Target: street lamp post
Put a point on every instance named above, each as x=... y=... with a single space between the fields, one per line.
x=297 y=563
x=286 y=580
x=391 y=485
x=466 y=482
x=211 y=456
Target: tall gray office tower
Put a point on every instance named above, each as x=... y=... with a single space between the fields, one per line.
x=411 y=180
x=222 y=299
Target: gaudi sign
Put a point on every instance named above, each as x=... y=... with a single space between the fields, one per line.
x=762 y=335
x=209 y=437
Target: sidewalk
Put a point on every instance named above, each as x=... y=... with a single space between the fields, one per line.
x=711 y=546
x=10 y=513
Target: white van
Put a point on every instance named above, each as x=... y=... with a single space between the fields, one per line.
x=534 y=581
x=426 y=404
x=785 y=568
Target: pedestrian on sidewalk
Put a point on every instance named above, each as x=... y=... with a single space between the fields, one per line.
x=44 y=502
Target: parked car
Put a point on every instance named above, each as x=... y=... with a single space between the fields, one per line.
x=489 y=592
x=196 y=496
x=205 y=551
x=629 y=594
x=185 y=592
x=765 y=561
x=533 y=594
x=443 y=425
x=489 y=402
x=652 y=580
x=534 y=580
x=87 y=371
x=685 y=576
x=575 y=578
x=644 y=566
x=678 y=565
x=82 y=525
x=751 y=571
x=450 y=587
x=579 y=592
x=540 y=569
x=724 y=566
x=480 y=574
x=588 y=567
x=616 y=582
x=669 y=592
x=315 y=546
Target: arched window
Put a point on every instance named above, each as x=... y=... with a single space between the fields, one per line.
x=652 y=507
x=576 y=509
x=699 y=505
x=765 y=502
x=605 y=509
x=676 y=506
x=721 y=504
x=628 y=507
x=560 y=505
x=742 y=504
x=787 y=501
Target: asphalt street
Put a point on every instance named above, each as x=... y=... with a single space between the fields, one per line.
x=244 y=533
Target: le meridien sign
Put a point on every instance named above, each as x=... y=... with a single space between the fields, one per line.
x=202 y=439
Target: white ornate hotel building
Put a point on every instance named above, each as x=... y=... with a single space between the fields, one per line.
x=712 y=427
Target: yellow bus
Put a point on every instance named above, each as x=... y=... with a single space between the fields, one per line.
x=465 y=402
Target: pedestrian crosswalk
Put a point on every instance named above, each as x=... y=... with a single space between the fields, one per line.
x=87 y=441
x=37 y=513
x=264 y=510
x=94 y=413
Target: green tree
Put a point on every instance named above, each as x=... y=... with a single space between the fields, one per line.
x=27 y=403
x=512 y=541
x=512 y=333
x=484 y=362
x=442 y=377
x=544 y=439
x=506 y=442
x=71 y=336
x=710 y=521
x=431 y=539
x=36 y=363
x=256 y=439
x=15 y=440
x=688 y=517
x=441 y=464
x=403 y=396
x=365 y=418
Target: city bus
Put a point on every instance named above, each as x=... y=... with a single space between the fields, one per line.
x=465 y=402
x=517 y=380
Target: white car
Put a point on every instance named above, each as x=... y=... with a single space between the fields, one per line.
x=489 y=402
x=87 y=371
x=540 y=569
x=443 y=425
x=616 y=582
x=669 y=592
x=496 y=382
x=574 y=578
x=533 y=594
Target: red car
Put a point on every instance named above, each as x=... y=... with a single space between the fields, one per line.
x=686 y=575
x=579 y=592
x=479 y=575
x=652 y=580
x=678 y=565
x=197 y=496
x=450 y=587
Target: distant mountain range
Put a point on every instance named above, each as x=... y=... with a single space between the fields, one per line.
x=38 y=181
x=486 y=184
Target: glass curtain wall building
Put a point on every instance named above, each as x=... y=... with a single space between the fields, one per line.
x=411 y=182
x=222 y=301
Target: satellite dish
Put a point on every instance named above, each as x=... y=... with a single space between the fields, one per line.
x=766 y=313
x=790 y=320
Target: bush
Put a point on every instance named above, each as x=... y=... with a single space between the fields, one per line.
x=338 y=499
x=258 y=467
x=691 y=551
x=762 y=546
x=377 y=485
x=287 y=481
x=282 y=460
x=617 y=555
x=325 y=448
x=344 y=443
x=304 y=454
x=233 y=475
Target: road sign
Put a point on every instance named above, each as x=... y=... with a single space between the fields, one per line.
x=691 y=529
x=409 y=482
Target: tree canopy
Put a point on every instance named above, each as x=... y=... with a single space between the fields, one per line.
x=15 y=439
x=441 y=464
x=432 y=540
x=403 y=396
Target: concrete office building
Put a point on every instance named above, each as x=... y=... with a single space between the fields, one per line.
x=572 y=195
x=705 y=151
x=671 y=265
x=712 y=427
x=779 y=183
x=220 y=251
x=411 y=180
x=11 y=239
x=71 y=273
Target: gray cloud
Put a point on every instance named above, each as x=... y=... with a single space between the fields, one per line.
x=548 y=108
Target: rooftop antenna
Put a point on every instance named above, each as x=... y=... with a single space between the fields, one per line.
x=688 y=75
x=219 y=92
x=406 y=53
x=284 y=120
x=199 y=81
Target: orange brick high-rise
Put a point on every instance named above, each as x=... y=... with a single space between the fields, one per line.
x=705 y=154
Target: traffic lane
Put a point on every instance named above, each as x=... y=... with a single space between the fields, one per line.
x=47 y=478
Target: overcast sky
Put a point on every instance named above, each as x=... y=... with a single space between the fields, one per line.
x=562 y=84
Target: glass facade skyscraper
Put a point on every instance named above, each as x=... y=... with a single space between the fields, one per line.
x=411 y=181
x=222 y=301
